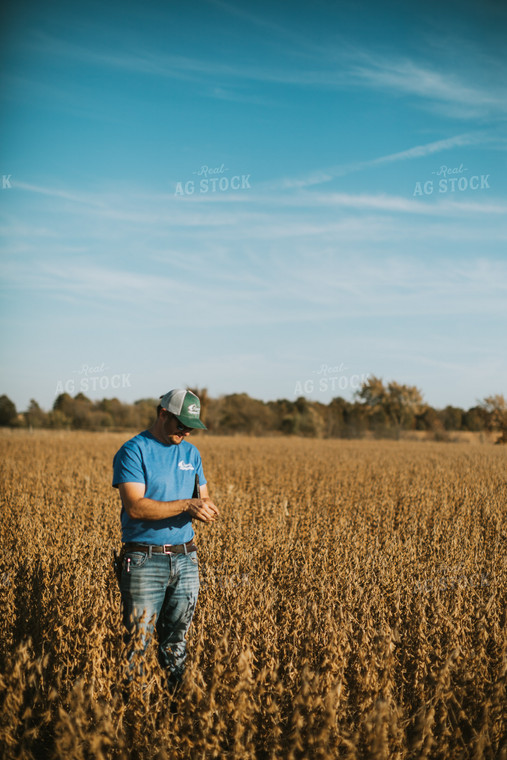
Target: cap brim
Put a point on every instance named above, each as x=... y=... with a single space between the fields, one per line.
x=191 y=422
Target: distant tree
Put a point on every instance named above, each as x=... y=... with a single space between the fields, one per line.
x=289 y=424
x=356 y=418
x=82 y=408
x=400 y=404
x=475 y=419
x=145 y=412
x=239 y=413
x=323 y=412
x=430 y=420
x=379 y=423
x=335 y=418
x=311 y=423
x=404 y=402
x=114 y=407
x=75 y=412
x=283 y=415
x=301 y=404
x=305 y=419
x=62 y=402
x=120 y=415
x=35 y=417
x=373 y=392
x=98 y=420
x=427 y=419
x=496 y=409
x=383 y=409
x=8 y=413
x=452 y=417
x=59 y=420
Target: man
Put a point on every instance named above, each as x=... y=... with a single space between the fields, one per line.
x=162 y=487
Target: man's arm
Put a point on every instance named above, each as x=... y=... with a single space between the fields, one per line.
x=140 y=508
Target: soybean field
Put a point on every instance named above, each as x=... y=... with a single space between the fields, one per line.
x=353 y=604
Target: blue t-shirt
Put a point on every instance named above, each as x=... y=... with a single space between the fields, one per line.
x=168 y=472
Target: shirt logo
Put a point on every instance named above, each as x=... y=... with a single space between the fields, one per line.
x=194 y=410
x=183 y=466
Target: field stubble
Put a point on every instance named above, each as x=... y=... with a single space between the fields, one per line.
x=353 y=605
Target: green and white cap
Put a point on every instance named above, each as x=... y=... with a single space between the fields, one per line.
x=185 y=406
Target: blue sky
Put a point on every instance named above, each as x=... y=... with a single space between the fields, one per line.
x=253 y=196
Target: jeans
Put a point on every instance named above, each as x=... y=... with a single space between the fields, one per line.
x=159 y=592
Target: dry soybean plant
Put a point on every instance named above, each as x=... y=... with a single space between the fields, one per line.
x=352 y=605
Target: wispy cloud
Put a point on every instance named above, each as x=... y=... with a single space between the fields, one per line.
x=398 y=286
x=203 y=70
x=233 y=95
x=110 y=222
x=445 y=89
x=455 y=94
x=82 y=198
x=298 y=42
x=418 y=151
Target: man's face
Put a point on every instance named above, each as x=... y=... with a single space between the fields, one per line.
x=172 y=429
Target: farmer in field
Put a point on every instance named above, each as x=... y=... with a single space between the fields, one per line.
x=162 y=487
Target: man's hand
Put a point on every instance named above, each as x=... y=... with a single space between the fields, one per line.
x=202 y=509
x=140 y=508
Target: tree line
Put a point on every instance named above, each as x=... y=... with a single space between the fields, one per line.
x=381 y=409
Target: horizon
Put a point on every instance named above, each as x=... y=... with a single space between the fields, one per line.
x=230 y=195
x=155 y=400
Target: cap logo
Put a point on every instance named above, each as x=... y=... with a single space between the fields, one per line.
x=193 y=410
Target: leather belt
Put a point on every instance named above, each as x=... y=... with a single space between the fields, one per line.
x=162 y=548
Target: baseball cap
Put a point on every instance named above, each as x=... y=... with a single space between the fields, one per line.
x=185 y=406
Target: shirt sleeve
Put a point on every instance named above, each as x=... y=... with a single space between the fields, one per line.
x=128 y=466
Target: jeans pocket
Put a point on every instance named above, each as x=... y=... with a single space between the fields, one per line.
x=133 y=560
x=193 y=558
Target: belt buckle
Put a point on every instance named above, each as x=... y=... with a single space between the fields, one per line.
x=167 y=549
